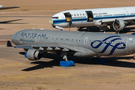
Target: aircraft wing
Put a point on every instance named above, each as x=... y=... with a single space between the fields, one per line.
x=52 y=47
x=2 y=8
x=110 y=21
x=107 y=21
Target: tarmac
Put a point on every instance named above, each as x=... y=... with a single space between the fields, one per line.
x=18 y=73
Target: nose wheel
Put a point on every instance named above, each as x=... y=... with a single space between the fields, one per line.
x=66 y=63
x=99 y=60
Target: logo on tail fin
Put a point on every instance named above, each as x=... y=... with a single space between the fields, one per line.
x=108 y=41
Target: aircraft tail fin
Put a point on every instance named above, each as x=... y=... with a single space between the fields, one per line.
x=9 y=44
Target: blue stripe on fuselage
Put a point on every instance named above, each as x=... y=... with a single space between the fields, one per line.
x=59 y=21
x=110 y=17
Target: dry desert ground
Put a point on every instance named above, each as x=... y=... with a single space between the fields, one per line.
x=18 y=73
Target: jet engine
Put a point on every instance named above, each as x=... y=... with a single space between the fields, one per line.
x=33 y=54
x=118 y=25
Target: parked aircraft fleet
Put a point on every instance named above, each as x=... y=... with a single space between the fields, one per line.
x=37 y=42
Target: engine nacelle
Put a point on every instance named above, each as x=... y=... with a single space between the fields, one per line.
x=33 y=54
x=118 y=25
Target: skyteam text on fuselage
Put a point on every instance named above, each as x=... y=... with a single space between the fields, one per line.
x=117 y=18
x=37 y=42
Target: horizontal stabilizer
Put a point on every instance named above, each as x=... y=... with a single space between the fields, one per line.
x=9 y=44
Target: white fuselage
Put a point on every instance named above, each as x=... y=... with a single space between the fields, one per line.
x=92 y=17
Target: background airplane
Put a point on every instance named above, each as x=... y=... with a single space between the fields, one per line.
x=83 y=44
x=117 y=18
x=11 y=7
x=4 y=8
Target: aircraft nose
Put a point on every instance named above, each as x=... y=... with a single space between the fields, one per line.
x=51 y=21
x=13 y=38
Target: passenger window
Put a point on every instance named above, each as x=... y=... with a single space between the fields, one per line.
x=46 y=38
x=55 y=17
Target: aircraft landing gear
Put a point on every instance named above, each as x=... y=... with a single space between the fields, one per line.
x=99 y=60
x=134 y=57
x=66 y=63
x=80 y=28
x=103 y=28
x=117 y=32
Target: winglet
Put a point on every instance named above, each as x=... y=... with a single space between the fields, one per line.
x=9 y=44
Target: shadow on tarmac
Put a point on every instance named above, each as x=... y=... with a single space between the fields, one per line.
x=110 y=61
x=1 y=28
x=10 y=22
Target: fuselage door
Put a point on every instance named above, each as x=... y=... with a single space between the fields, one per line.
x=38 y=37
x=89 y=16
x=68 y=17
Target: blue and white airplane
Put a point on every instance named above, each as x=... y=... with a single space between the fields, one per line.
x=117 y=18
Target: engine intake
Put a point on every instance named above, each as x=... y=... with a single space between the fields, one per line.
x=118 y=25
x=33 y=54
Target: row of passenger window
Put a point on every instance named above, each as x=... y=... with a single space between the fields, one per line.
x=78 y=14
x=73 y=15
x=63 y=39
x=102 y=15
x=95 y=15
x=80 y=40
x=113 y=15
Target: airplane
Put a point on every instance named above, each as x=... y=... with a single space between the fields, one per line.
x=117 y=18
x=3 y=8
x=11 y=7
x=36 y=42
